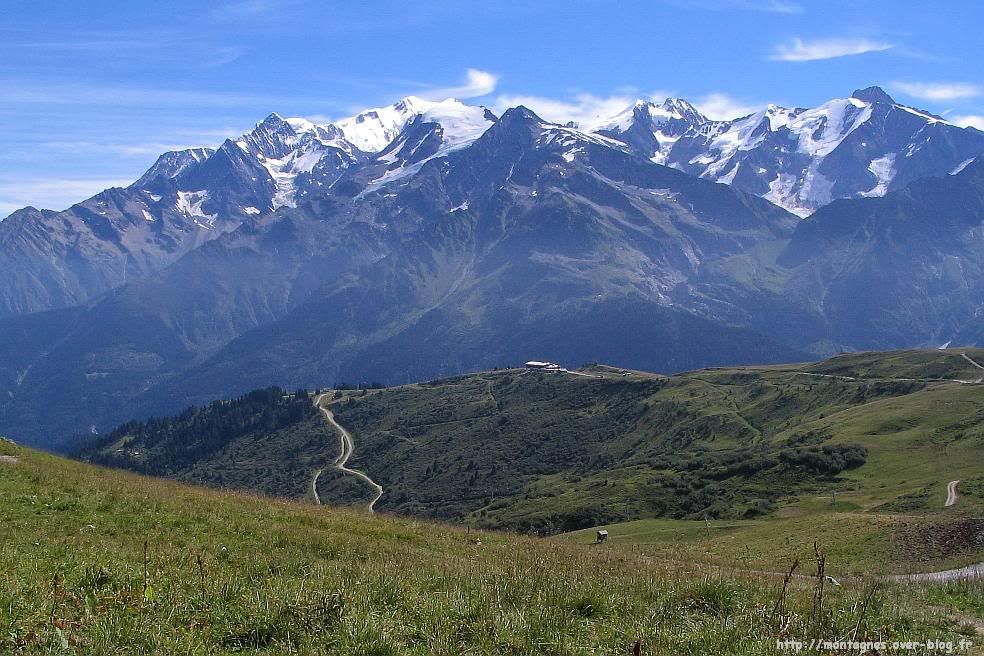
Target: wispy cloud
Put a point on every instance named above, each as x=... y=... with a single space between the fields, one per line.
x=85 y=43
x=799 y=50
x=938 y=90
x=224 y=55
x=56 y=92
x=477 y=83
x=158 y=42
x=969 y=120
x=722 y=107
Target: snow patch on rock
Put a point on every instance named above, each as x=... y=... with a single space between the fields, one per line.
x=883 y=169
x=189 y=203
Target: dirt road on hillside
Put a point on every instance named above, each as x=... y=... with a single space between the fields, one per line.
x=347 y=446
x=962 y=574
x=951 y=493
x=976 y=364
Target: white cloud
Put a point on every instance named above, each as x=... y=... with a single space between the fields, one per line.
x=224 y=55
x=799 y=51
x=167 y=42
x=938 y=90
x=722 y=107
x=477 y=83
x=51 y=193
x=969 y=120
x=73 y=93
x=94 y=43
x=584 y=108
x=24 y=92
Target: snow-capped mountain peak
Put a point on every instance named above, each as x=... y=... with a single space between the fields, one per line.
x=374 y=129
x=271 y=137
x=873 y=95
x=863 y=145
x=440 y=128
x=801 y=158
x=671 y=109
x=172 y=163
x=461 y=123
x=681 y=109
x=282 y=160
x=652 y=127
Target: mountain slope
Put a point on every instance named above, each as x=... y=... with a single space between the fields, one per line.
x=549 y=452
x=898 y=269
x=470 y=242
x=62 y=259
x=801 y=159
x=870 y=273
x=99 y=357
x=533 y=232
x=476 y=254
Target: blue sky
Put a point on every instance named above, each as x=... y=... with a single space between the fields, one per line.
x=91 y=93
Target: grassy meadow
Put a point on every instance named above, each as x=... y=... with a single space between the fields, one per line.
x=98 y=561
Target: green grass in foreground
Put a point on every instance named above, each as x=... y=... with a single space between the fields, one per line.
x=105 y=562
x=856 y=543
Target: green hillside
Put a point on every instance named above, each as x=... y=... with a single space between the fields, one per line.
x=880 y=433
x=555 y=452
x=105 y=562
x=234 y=444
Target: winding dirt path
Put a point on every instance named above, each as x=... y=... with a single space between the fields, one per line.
x=970 y=572
x=347 y=446
x=973 y=362
x=314 y=486
x=947 y=575
x=892 y=380
x=951 y=493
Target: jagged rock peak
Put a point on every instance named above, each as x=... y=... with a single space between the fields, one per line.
x=873 y=95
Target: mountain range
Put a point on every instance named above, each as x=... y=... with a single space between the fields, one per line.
x=429 y=238
x=802 y=159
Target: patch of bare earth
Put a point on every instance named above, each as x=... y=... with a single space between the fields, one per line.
x=930 y=541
